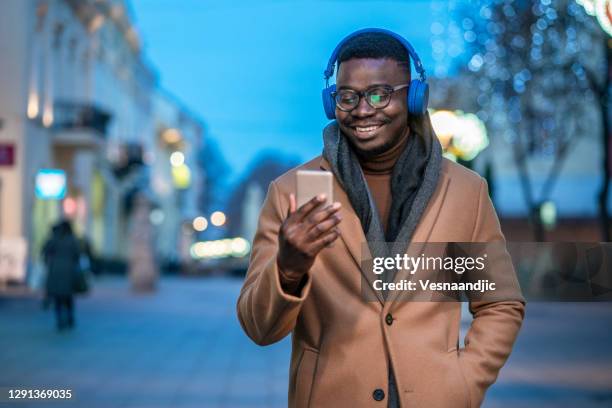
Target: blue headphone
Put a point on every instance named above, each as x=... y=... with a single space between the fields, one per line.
x=418 y=92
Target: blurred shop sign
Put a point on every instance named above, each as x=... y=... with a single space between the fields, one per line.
x=50 y=184
x=13 y=253
x=7 y=154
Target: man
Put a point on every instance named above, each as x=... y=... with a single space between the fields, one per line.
x=390 y=183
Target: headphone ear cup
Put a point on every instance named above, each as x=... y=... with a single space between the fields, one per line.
x=418 y=97
x=329 y=103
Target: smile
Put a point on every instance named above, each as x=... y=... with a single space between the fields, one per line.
x=367 y=131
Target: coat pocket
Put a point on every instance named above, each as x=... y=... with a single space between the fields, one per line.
x=464 y=383
x=305 y=377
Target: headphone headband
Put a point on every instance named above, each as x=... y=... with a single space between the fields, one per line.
x=329 y=70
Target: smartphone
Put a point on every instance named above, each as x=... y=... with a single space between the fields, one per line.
x=311 y=183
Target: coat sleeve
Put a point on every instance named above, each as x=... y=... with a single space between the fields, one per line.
x=266 y=312
x=495 y=324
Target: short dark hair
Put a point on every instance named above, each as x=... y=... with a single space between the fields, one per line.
x=376 y=46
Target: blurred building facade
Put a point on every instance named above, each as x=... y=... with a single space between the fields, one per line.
x=248 y=196
x=177 y=176
x=78 y=95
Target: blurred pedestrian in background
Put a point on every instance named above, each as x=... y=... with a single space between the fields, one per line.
x=62 y=256
x=45 y=257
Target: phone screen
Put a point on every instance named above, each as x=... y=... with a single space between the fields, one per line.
x=311 y=183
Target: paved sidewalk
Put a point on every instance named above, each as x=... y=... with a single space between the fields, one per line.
x=180 y=347
x=183 y=347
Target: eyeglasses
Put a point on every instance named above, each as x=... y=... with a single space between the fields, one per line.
x=377 y=97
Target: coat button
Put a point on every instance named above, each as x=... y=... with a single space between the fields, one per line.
x=389 y=319
x=378 y=394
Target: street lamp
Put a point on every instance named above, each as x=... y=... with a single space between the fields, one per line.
x=217 y=218
x=602 y=10
x=171 y=136
x=200 y=223
x=177 y=159
x=462 y=135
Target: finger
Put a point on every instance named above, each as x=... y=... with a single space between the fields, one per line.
x=337 y=231
x=320 y=216
x=304 y=210
x=323 y=228
x=292 y=203
x=323 y=241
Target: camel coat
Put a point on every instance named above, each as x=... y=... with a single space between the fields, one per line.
x=342 y=344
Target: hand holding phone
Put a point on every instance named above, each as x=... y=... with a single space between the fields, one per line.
x=304 y=233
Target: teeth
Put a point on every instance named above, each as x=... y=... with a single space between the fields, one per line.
x=366 y=129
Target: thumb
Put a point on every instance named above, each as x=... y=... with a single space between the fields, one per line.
x=292 y=204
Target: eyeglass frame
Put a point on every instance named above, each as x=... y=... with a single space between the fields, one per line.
x=362 y=94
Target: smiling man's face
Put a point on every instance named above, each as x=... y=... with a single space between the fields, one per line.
x=373 y=131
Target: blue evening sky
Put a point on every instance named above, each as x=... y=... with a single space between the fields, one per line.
x=253 y=70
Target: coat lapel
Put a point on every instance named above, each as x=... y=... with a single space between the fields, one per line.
x=422 y=233
x=351 y=231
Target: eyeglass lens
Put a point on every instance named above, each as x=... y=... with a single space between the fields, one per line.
x=377 y=98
